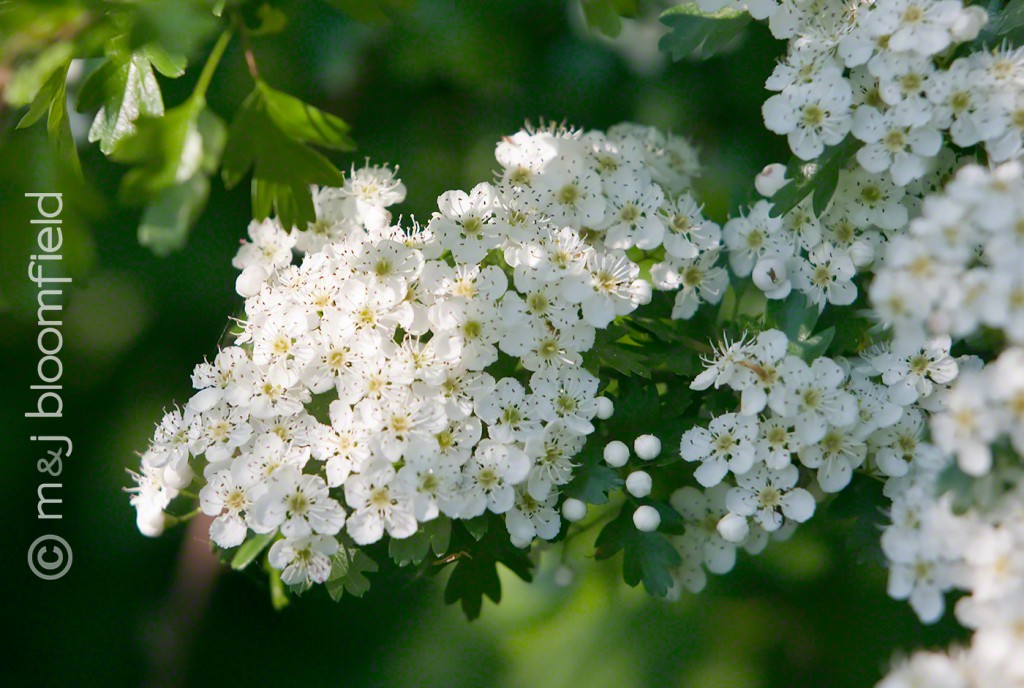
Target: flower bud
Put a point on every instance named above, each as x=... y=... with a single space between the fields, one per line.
x=178 y=478
x=150 y=522
x=968 y=25
x=639 y=484
x=646 y=518
x=251 y=280
x=573 y=510
x=616 y=454
x=771 y=276
x=771 y=179
x=647 y=447
x=733 y=528
x=605 y=408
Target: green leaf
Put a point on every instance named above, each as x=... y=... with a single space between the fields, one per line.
x=125 y=88
x=700 y=34
x=606 y=15
x=251 y=549
x=475 y=573
x=648 y=558
x=793 y=315
x=31 y=74
x=636 y=409
x=814 y=346
x=432 y=536
x=477 y=527
x=45 y=96
x=621 y=358
x=52 y=99
x=471 y=579
x=173 y=158
x=348 y=571
x=272 y=21
x=593 y=479
x=169 y=65
x=173 y=27
x=371 y=11
x=270 y=141
x=303 y=122
x=166 y=150
x=818 y=177
x=1006 y=25
x=172 y=212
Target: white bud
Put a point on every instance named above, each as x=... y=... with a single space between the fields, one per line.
x=616 y=454
x=639 y=484
x=251 y=280
x=646 y=519
x=968 y=25
x=771 y=179
x=862 y=253
x=605 y=408
x=647 y=447
x=564 y=576
x=733 y=527
x=179 y=478
x=150 y=522
x=573 y=510
x=771 y=276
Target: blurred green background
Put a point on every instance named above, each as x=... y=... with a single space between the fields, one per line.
x=432 y=93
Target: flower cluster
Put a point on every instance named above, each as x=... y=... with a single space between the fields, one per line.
x=874 y=78
x=824 y=419
x=958 y=267
x=400 y=373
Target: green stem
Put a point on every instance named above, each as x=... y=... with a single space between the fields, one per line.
x=250 y=57
x=184 y=518
x=211 y=64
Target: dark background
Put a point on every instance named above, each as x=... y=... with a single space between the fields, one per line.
x=432 y=93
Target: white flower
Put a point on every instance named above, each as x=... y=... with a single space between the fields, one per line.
x=702 y=510
x=826 y=277
x=612 y=288
x=270 y=247
x=727 y=444
x=812 y=397
x=967 y=424
x=922 y=26
x=465 y=225
x=490 y=476
x=529 y=518
x=303 y=560
x=898 y=140
x=913 y=376
x=812 y=115
x=552 y=452
x=377 y=505
x=751 y=236
x=224 y=498
x=299 y=504
x=835 y=456
x=769 y=495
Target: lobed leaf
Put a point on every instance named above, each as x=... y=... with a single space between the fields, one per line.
x=819 y=177
x=700 y=34
x=268 y=136
x=348 y=571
